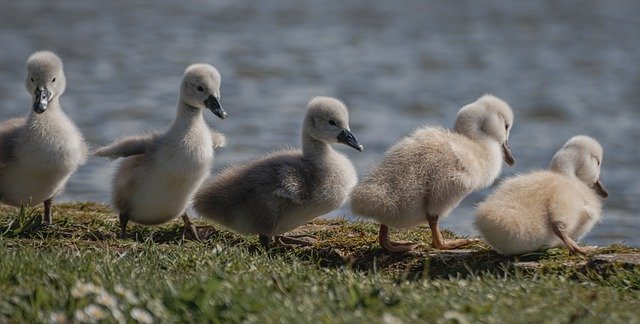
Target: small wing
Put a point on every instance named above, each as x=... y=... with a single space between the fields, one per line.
x=9 y=132
x=291 y=185
x=219 y=140
x=127 y=146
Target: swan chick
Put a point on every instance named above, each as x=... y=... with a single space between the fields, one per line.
x=547 y=208
x=281 y=191
x=423 y=177
x=160 y=172
x=39 y=153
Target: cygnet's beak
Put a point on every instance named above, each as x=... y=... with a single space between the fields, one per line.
x=41 y=100
x=507 y=156
x=213 y=105
x=600 y=189
x=345 y=137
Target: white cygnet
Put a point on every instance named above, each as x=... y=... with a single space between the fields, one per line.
x=160 y=172
x=549 y=208
x=283 y=190
x=424 y=177
x=39 y=153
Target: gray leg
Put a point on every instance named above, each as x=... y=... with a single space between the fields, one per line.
x=47 y=211
x=265 y=241
x=124 y=219
x=190 y=229
x=289 y=242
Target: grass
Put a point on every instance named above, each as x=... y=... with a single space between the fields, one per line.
x=77 y=268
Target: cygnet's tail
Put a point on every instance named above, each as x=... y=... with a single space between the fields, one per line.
x=371 y=200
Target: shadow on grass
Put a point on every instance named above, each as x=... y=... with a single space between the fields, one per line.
x=341 y=243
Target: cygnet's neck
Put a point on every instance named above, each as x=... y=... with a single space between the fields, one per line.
x=314 y=149
x=186 y=117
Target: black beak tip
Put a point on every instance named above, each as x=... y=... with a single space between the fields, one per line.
x=221 y=114
x=39 y=109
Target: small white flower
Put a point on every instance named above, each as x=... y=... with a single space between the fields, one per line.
x=82 y=289
x=106 y=299
x=126 y=293
x=94 y=312
x=141 y=315
x=117 y=315
x=80 y=316
x=455 y=316
x=390 y=319
x=58 y=317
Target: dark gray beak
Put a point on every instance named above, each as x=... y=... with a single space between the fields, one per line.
x=41 y=101
x=600 y=189
x=506 y=154
x=345 y=137
x=213 y=105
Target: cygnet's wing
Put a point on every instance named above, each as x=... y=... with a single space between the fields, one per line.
x=9 y=133
x=128 y=146
x=291 y=184
x=219 y=140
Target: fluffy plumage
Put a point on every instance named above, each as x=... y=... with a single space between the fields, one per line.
x=280 y=191
x=160 y=172
x=519 y=216
x=425 y=176
x=39 y=153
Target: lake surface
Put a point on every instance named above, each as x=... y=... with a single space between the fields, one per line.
x=566 y=68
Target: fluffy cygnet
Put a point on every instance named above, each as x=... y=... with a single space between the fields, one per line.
x=546 y=208
x=39 y=153
x=283 y=190
x=424 y=177
x=160 y=172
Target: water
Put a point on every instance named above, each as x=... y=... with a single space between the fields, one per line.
x=566 y=67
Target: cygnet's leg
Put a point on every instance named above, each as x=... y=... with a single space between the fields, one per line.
x=438 y=242
x=47 y=211
x=289 y=241
x=265 y=241
x=124 y=219
x=393 y=247
x=190 y=228
x=196 y=233
x=560 y=229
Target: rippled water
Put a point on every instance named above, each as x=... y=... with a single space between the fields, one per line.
x=566 y=68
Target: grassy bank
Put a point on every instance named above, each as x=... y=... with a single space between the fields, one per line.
x=78 y=268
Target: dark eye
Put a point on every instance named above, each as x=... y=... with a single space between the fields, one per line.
x=31 y=79
x=331 y=122
x=200 y=88
x=506 y=127
x=54 y=80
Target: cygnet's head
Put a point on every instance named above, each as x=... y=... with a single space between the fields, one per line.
x=201 y=88
x=327 y=120
x=489 y=117
x=581 y=156
x=45 y=79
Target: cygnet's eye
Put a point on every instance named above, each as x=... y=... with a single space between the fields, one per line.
x=331 y=122
x=506 y=127
x=31 y=79
x=53 y=80
x=200 y=88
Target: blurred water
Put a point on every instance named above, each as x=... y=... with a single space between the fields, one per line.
x=566 y=67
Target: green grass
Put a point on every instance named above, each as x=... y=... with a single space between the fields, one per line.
x=78 y=266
